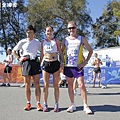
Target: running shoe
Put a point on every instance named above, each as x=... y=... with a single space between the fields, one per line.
x=76 y=93
x=87 y=110
x=23 y=85
x=39 y=107
x=45 y=109
x=8 y=84
x=56 y=108
x=27 y=107
x=32 y=85
x=3 y=84
x=71 y=108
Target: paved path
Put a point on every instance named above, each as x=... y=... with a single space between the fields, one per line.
x=105 y=104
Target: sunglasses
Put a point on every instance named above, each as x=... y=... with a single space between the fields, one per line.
x=71 y=28
x=30 y=32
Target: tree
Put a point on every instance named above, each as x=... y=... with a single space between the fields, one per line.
x=116 y=12
x=104 y=28
x=57 y=13
x=12 y=22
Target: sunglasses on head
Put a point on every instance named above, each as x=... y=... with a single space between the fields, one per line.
x=71 y=28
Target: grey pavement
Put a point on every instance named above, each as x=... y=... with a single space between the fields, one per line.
x=105 y=104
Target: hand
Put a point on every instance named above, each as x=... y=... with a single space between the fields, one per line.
x=82 y=65
x=21 y=59
x=62 y=65
x=5 y=61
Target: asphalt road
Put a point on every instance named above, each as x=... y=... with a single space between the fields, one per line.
x=105 y=104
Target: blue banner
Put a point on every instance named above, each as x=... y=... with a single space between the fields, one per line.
x=109 y=75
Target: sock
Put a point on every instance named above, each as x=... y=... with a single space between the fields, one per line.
x=28 y=102
x=45 y=103
x=56 y=103
x=85 y=105
x=38 y=102
x=72 y=103
x=75 y=91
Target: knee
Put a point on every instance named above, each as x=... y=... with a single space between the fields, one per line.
x=56 y=87
x=70 y=85
x=82 y=86
x=46 y=85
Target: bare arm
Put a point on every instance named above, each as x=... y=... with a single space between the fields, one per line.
x=41 y=54
x=63 y=45
x=101 y=62
x=60 y=51
x=15 y=54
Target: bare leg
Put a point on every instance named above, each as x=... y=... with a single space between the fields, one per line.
x=4 y=77
x=36 y=79
x=99 y=79
x=46 y=77
x=27 y=87
x=9 y=77
x=75 y=84
x=84 y=94
x=83 y=89
x=94 y=79
x=56 y=77
x=70 y=88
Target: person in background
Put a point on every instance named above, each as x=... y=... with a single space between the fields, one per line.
x=8 y=68
x=51 y=65
x=74 y=64
x=97 y=71
x=30 y=64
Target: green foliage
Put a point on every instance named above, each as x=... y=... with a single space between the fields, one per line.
x=57 y=13
x=116 y=12
x=105 y=29
x=12 y=23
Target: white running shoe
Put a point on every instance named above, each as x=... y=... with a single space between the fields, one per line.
x=23 y=85
x=104 y=87
x=76 y=93
x=87 y=110
x=71 y=108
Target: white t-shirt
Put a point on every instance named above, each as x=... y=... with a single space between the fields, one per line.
x=28 y=47
x=8 y=58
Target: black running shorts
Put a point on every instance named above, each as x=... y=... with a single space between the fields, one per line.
x=31 y=67
x=97 y=70
x=51 y=67
x=7 y=69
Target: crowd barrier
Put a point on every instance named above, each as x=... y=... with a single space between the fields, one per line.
x=109 y=75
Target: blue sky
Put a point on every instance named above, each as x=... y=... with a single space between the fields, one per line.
x=96 y=7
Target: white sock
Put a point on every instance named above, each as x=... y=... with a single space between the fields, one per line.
x=28 y=102
x=38 y=102
x=85 y=105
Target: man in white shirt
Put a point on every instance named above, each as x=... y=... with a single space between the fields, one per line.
x=30 y=64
